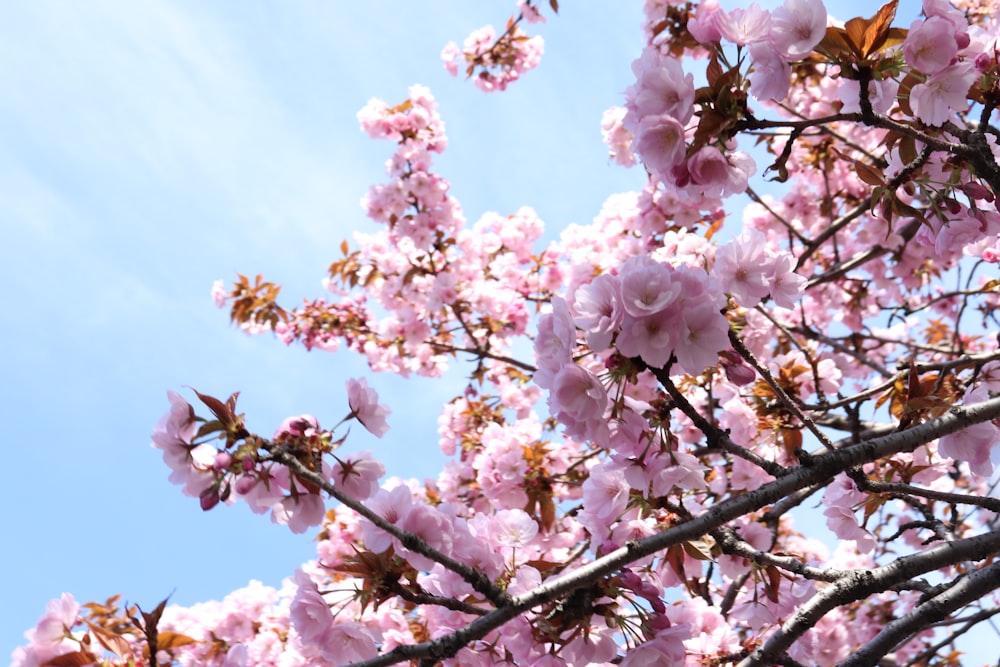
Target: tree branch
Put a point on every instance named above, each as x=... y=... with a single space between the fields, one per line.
x=822 y=468
x=861 y=584
x=967 y=589
x=473 y=577
x=716 y=437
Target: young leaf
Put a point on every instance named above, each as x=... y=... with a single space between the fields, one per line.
x=75 y=659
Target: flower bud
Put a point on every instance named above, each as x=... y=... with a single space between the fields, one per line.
x=245 y=484
x=983 y=63
x=209 y=498
x=223 y=461
x=737 y=371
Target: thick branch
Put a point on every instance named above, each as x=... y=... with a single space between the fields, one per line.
x=966 y=590
x=899 y=489
x=863 y=583
x=822 y=468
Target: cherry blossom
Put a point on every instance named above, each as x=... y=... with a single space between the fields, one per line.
x=735 y=374
x=943 y=93
x=366 y=408
x=797 y=27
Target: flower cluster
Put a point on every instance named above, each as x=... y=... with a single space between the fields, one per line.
x=244 y=467
x=494 y=62
x=731 y=396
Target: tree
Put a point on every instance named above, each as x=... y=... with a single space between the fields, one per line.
x=706 y=379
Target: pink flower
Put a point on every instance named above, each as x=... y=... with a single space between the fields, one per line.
x=842 y=522
x=661 y=89
x=299 y=512
x=659 y=141
x=771 y=73
x=579 y=401
x=178 y=425
x=190 y=465
x=786 y=286
x=347 y=643
x=755 y=613
x=599 y=310
x=651 y=338
x=708 y=168
x=930 y=45
x=617 y=138
x=366 y=408
x=358 y=475
x=501 y=61
x=797 y=27
x=974 y=444
x=50 y=636
x=666 y=648
x=934 y=100
x=717 y=174
x=955 y=16
x=525 y=579
x=703 y=26
x=606 y=492
x=449 y=55
x=393 y=506
x=514 y=528
x=704 y=333
x=530 y=12
x=956 y=234
x=647 y=286
x=60 y=617
x=741 y=266
x=554 y=343
x=309 y=612
x=219 y=294
x=236 y=656
x=264 y=489
x=745 y=26
x=882 y=95
x=595 y=647
x=433 y=527
x=292 y=428
x=684 y=472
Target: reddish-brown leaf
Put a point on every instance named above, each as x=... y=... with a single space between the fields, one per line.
x=854 y=33
x=878 y=28
x=217 y=407
x=835 y=43
x=791 y=440
x=699 y=549
x=75 y=659
x=547 y=511
x=773 y=583
x=111 y=641
x=868 y=174
x=713 y=72
x=170 y=640
x=675 y=558
x=903 y=94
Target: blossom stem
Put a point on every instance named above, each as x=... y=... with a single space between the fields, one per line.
x=473 y=577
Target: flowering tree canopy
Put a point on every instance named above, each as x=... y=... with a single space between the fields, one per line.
x=721 y=425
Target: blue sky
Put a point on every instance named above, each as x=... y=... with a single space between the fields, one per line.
x=151 y=148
